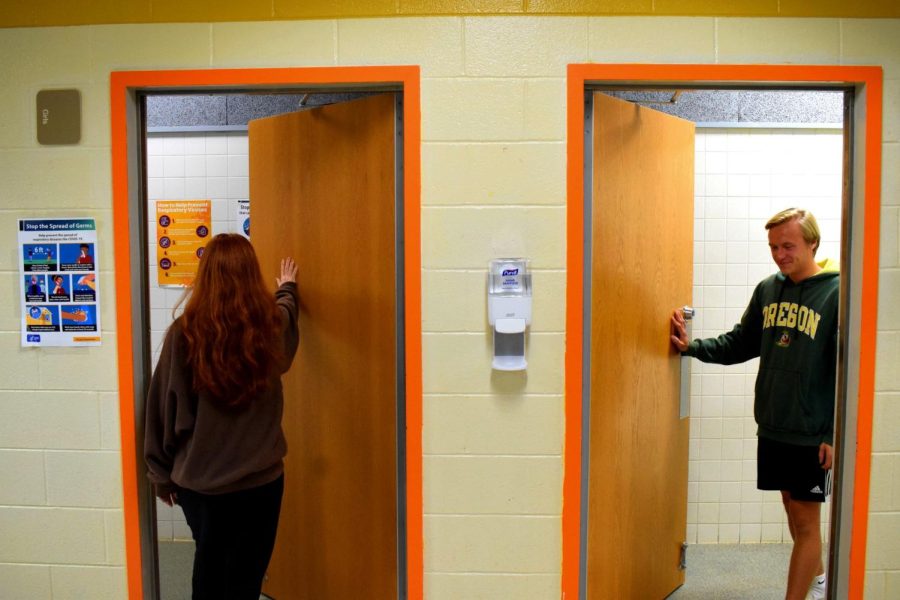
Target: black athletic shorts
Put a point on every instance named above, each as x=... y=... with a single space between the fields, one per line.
x=791 y=468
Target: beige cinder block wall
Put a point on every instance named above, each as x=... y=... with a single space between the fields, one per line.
x=493 y=179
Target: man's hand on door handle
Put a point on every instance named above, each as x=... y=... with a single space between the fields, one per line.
x=678 y=331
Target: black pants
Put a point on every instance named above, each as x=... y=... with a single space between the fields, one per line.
x=234 y=535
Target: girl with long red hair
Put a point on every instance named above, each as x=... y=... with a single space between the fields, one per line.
x=213 y=440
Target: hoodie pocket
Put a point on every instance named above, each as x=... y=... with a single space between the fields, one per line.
x=780 y=403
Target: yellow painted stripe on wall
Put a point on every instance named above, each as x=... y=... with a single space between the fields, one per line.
x=590 y=7
x=705 y=8
x=839 y=8
x=25 y=13
x=181 y=11
x=324 y=9
x=461 y=7
x=28 y=13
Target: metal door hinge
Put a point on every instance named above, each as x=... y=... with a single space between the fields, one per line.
x=682 y=560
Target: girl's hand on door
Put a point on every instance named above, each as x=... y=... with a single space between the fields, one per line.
x=288 y=272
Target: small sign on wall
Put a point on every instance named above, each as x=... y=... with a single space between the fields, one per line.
x=58 y=117
x=58 y=275
x=242 y=217
x=182 y=231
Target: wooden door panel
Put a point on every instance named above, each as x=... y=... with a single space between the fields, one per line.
x=322 y=191
x=642 y=255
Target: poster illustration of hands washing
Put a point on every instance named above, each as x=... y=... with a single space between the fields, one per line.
x=58 y=274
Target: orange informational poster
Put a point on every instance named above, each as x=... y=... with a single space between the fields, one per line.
x=182 y=231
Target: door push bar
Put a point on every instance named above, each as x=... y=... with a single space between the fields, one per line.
x=684 y=395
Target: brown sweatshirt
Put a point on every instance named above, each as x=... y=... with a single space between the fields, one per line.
x=196 y=443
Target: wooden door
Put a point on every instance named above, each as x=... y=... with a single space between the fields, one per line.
x=322 y=191
x=642 y=255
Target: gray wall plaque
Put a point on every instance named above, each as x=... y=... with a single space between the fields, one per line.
x=58 y=117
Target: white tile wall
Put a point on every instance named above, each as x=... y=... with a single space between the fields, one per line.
x=190 y=166
x=743 y=177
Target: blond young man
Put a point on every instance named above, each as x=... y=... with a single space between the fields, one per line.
x=791 y=325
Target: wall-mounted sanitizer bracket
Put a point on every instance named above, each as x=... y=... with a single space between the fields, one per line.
x=509 y=311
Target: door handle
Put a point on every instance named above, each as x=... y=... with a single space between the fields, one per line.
x=684 y=393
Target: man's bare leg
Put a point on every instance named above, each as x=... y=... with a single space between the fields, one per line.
x=786 y=500
x=804 y=522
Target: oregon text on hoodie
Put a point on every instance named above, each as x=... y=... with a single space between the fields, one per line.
x=792 y=328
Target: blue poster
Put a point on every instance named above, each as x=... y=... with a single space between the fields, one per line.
x=59 y=274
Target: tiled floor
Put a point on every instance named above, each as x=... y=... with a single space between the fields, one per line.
x=715 y=572
x=735 y=572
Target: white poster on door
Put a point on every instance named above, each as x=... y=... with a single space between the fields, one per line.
x=242 y=218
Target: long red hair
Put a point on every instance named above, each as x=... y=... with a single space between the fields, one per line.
x=231 y=323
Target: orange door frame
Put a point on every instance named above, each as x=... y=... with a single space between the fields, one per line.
x=125 y=83
x=583 y=74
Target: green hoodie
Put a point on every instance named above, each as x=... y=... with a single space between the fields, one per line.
x=792 y=328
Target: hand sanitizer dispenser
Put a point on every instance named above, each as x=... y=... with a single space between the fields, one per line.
x=509 y=311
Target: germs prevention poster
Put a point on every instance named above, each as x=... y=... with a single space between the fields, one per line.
x=60 y=284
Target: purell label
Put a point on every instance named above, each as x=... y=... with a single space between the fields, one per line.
x=510 y=279
x=508 y=276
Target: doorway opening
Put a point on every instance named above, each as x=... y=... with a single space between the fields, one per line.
x=162 y=153
x=199 y=147
x=754 y=153
x=660 y=87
